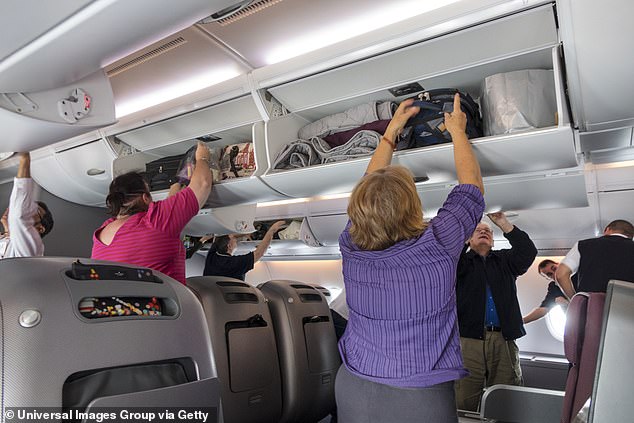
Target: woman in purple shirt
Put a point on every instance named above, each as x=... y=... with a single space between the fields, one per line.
x=401 y=349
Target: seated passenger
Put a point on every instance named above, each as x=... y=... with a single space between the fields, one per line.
x=26 y=221
x=401 y=350
x=554 y=296
x=221 y=262
x=147 y=233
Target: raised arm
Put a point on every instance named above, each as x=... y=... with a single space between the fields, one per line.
x=266 y=241
x=382 y=156
x=24 y=168
x=467 y=166
x=523 y=250
x=201 y=178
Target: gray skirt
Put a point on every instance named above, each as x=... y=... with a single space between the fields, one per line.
x=362 y=401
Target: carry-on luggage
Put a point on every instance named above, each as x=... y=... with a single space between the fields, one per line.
x=428 y=126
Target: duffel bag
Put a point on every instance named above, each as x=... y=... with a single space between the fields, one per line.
x=427 y=127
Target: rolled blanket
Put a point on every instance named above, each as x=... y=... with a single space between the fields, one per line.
x=350 y=119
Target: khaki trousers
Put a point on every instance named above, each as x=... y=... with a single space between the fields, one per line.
x=491 y=361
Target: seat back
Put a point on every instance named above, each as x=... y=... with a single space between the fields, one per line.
x=611 y=397
x=68 y=342
x=307 y=346
x=520 y=404
x=243 y=339
x=582 y=336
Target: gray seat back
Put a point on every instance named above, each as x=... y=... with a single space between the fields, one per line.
x=307 y=346
x=52 y=352
x=246 y=358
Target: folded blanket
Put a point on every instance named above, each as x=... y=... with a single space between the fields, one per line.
x=340 y=138
x=302 y=153
x=350 y=119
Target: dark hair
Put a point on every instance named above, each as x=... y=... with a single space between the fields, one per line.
x=47 y=218
x=124 y=194
x=220 y=244
x=623 y=227
x=543 y=264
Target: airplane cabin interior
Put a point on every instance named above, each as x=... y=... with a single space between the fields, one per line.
x=94 y=89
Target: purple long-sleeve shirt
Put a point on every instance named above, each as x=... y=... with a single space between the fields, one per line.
x=403 y=328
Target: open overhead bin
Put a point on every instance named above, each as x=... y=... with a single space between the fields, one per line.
x=231 y=125
x=461 y=60
x=222 y=221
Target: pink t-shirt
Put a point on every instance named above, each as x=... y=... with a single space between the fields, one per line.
x=152 y=238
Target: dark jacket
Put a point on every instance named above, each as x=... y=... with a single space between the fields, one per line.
x=500 y=270
x=605 y=258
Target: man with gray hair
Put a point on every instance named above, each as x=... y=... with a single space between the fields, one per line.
x=596 y=261
x=489 y=315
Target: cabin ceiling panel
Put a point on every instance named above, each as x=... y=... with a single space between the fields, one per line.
x=36 y=17
x=95 y=36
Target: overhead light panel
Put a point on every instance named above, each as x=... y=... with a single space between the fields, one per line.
x=326 y=35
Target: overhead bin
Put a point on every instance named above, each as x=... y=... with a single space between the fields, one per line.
x=563 y=188
x=80 y=172
x=233 y=122
x=461 y=60
x=37 y=118
x=222 y=221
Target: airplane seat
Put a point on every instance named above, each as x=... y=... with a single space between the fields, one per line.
x=307 y=347
x=101 y=335
x=582 y=337
x=241 y=331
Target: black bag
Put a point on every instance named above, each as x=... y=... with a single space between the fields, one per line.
x=162 y=173
x=428 y=126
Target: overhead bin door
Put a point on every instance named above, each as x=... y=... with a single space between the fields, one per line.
x=216 y=118
x=513 y=36
x=597 y=39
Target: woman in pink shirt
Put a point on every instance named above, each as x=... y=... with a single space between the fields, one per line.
x=147 y=233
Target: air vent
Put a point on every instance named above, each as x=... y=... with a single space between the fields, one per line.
x=225 y=284
x=162 y=49
x=300 y=286
x=240 y=13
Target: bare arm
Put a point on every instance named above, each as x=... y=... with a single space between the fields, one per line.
x=174 y=189
x=500 y=220
x=563 y=277
x=467 y=166
x=201 y=178
x=536 y=314
x=382 y=156
x=266 y=241
x=24 y=168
